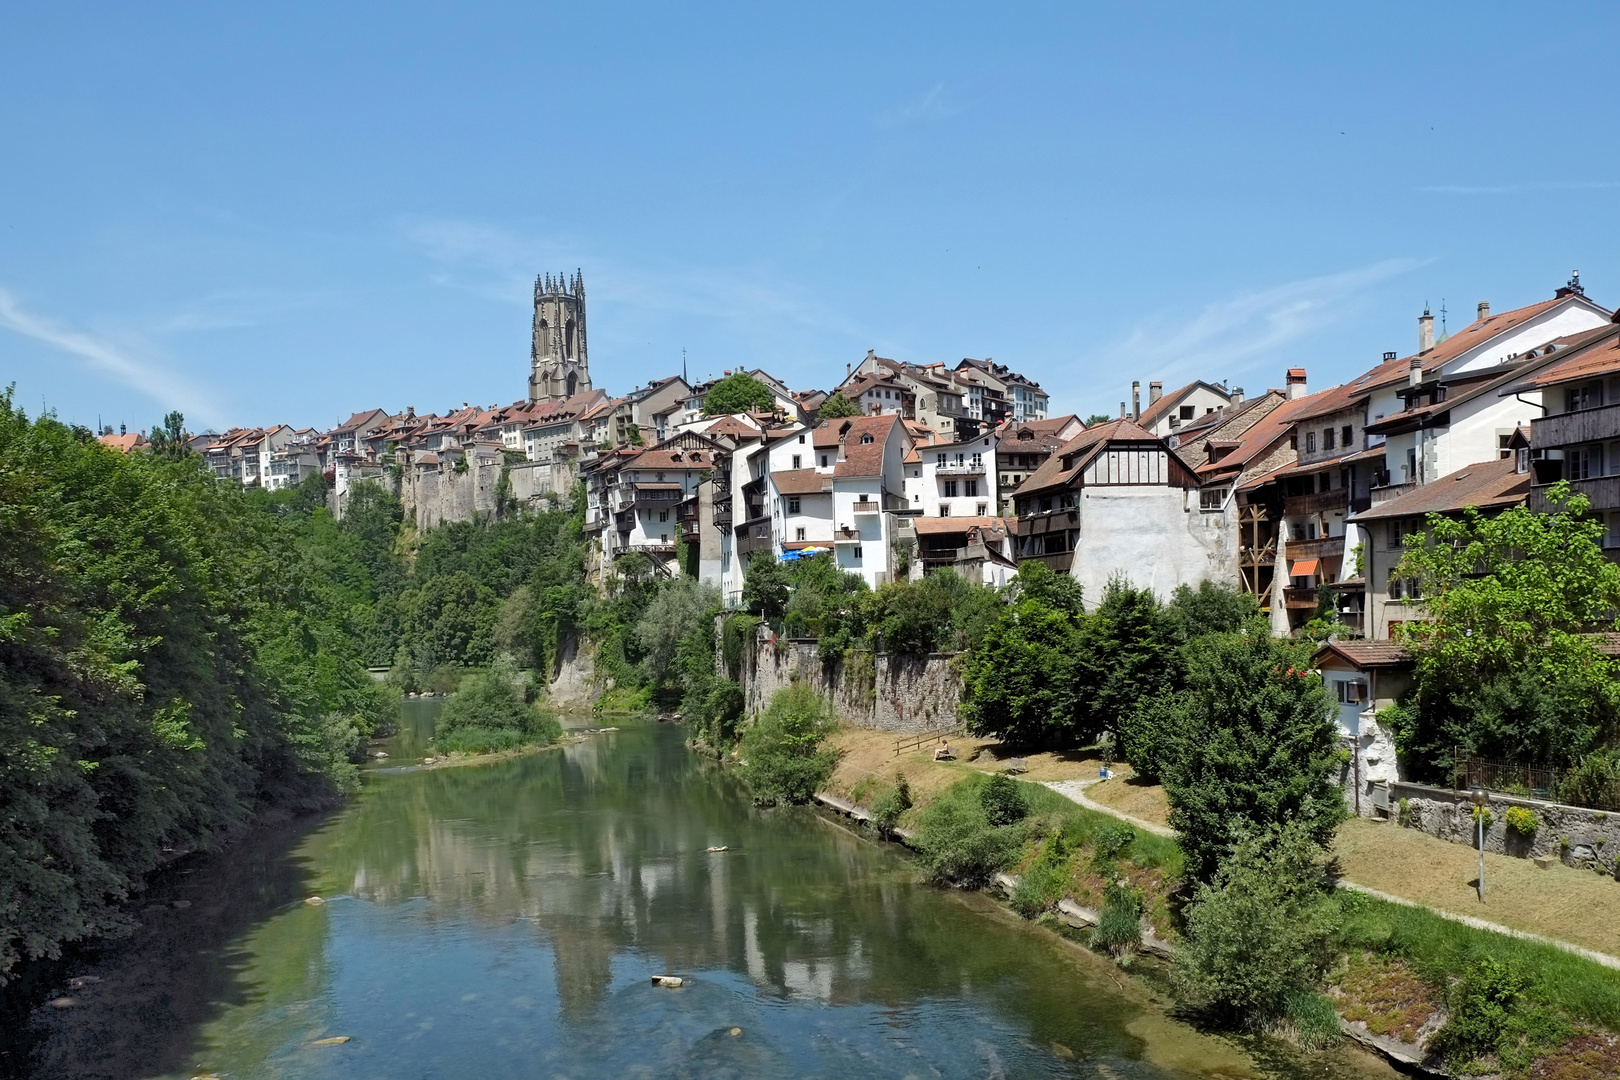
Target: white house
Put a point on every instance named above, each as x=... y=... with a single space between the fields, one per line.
x=955 y=479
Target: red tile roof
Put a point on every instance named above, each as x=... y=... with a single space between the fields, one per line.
x=1584 y=356
x=1052 y=472
x=933 y=526
x=1489 y=485
x=801 y=482
x=1364 y=654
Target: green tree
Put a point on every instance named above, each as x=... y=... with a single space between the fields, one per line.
x=1249 y=746
x=784 y=761
x=1098 y=418
x=736 y=393
x=169 y=438
x=1020 y=681
x=837 y=406
x=488 y=712
x=1504 y=666
x=679 y=608
x=1127 y=648
x=1262 y=931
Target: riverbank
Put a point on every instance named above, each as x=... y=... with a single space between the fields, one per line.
x=1398 y=963
x=457 y=758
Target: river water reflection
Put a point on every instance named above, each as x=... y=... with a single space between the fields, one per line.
x=503 y=921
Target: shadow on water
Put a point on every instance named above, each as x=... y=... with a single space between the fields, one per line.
x=503 y=920
x=179 y=968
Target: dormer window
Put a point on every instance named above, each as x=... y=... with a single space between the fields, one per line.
x=865 y=439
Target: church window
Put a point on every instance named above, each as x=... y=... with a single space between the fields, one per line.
x=568 y=340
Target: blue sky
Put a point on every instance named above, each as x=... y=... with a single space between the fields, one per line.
x=282 y=212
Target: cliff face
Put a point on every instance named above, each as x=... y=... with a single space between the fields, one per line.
x=882 y=692
x=574 y=686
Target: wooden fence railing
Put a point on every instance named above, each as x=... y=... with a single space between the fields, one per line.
x=915 y=742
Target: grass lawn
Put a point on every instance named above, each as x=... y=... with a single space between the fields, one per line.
x=869 y=756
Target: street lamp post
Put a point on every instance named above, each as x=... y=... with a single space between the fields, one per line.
x=1479 y=798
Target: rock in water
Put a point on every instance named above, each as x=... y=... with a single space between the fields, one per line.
x=714 y=850
x=314 y=901
x=667 y=981
x=70 y=1002
x=335 y=1040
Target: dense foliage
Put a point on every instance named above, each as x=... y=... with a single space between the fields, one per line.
x=175 y=656
x=1262 y=931
x=1506 y=667
x=737 y=393
x=1247 y=746
x=1047 y=672
x=783 y=759
x=837 y=406
x=488 y=713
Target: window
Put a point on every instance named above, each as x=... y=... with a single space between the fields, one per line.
x=1589 y=396
x=950 y=489
x=1411 y=466
x=798 y=534
x=1346 y=437
x=960 y=458
x=944 y=509
x=982 y=508
x=970 y=488
x=793 y=504
x=797 y=461
x=1523 y=464
x=823 y=461
x=1584 y=462
x=663 y=515
x=865 y=439
x=1293 y=441
x=1187 y=412
x=1327 y=438
x=801 y=440
x=1210 y=498
x=939 y=459
x=855 y=553
x=1310 y=442
x=978 y=461
x=1350 y=692
x=1502 y=448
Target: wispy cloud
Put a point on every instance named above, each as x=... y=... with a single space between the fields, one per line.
x=150 y=378
x=932 y=104
x=1231 y=336
x=760 y=309
x=1514 y=189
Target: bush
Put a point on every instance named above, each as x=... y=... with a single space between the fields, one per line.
x=1047 y=879
x=1119 y=929
x=782 y=755
x=1594 y=782
x=956 y=845
x=1262 y=931
x=1491 y=1011
x=1522 y=820
x=889 y=806
x=1114 y=840
x=1002 y=802
x=488 y=713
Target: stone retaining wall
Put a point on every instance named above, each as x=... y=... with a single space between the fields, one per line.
x=883 y=692
x=1572 y=834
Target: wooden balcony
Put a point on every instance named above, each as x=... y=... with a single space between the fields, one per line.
x=1391 y=491
x=1568 y=429
x=1327 y=547
x=1604 y=491
x=754 y=535
x=1322 y=502
x=1058 y=562
x=1299 y=599
x=867 y=506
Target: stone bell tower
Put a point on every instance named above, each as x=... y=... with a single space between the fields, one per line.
x=557 y=354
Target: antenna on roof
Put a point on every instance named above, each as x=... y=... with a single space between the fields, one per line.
x=1443 y=334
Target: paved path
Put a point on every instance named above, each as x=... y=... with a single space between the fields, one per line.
x=1076 y=790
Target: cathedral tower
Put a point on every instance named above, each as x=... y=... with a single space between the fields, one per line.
x=557 y=354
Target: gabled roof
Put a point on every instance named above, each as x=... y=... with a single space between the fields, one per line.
x=1568 y=359
x=1466 y=391
x=1475 y=334
x=1489 y=485
x=801 y=481
x=933 y=526
x=124 y=443
x=355 y=421
x=1254 y=442
x=1156 y=411
x=1364 y=654
x=1052 y=472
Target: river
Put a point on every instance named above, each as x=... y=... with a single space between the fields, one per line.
x=504 y=920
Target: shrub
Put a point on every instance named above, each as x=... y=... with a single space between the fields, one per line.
x=1491 y=1010
x=1261 y=931
x=783 y=759
x=1522 y=820
x=1114 y=840
x=889 y=806
x=488 y=713
x=1119 y=928
x=1002 y=802
x=1594 y=782
x=956 y=845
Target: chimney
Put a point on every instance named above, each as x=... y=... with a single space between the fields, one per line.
x=1237 y=395
x=1122 y=410
x=1388 y=357
x=1136 y=399
x=1483 y=311
x=1415 y=372
x=1155 y=392
x=1425 y=331
x=1295 y=381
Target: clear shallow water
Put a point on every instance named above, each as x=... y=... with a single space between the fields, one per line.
x=503 y=921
